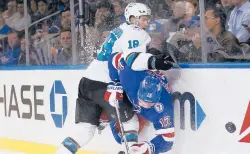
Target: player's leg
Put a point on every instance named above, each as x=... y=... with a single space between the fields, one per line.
x=129 y=119
x=116 y=130
x=87 y=117
x=127 y=114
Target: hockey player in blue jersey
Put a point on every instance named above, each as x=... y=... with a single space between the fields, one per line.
x=149 y=94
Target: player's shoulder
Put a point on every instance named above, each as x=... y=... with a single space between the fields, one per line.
x=119 y=31
x=136 y=32
x=136 y=29
x=130 y=30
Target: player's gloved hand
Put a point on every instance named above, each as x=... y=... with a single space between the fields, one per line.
x=114 y=93
x=142 y=148
x=160 y=62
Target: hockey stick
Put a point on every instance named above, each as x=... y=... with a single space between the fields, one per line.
x=169 y=51
x=121 y=126
x=175 y=64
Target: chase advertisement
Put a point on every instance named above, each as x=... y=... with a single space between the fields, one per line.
x=27 y=102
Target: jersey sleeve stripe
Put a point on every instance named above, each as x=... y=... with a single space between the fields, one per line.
x=116 y=60
x=167 y=134
x=131 y=58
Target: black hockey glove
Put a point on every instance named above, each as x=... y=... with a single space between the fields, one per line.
x=160 y=62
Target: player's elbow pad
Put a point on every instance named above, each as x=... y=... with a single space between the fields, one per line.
x=159 y=63
x=138 y=61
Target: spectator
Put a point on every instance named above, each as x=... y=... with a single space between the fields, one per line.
x=42 y=11
x=172 y=26
x=191 y=18
x=170 y=3
x=63 y=4
x=154 y=29
x=4 y=29
x=33 y=6
x=20 y=24
x=104 y=17
x=163 y=10
x=213 y=3
x=66 y=19
x=182 y=39
x=185 y=16
x=215 y=20
x=56 y=46
x=10 y=57
x=119 y=17
x=64 y=57
x=41 y=44
x=228 y=7
x=240 y=15
x=43 y=7
x=33 y=58
x=11 y=15
x=103 y=21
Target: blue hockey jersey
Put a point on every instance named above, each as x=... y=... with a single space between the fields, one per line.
x=161 y=114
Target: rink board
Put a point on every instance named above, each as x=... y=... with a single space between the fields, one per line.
x=31 y=147
x=37 y=109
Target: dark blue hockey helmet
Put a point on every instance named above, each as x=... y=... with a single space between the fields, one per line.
x=150 y=90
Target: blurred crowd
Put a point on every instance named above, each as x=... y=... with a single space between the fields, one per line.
x=218 y=33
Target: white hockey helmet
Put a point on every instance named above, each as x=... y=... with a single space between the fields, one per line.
x=136 y=10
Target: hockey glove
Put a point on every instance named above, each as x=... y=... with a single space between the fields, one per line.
x=114 y=93
x=159 y=62
x=142 y=148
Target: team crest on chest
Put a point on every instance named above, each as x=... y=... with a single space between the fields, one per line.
x=159 y=107
x=137 y=108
